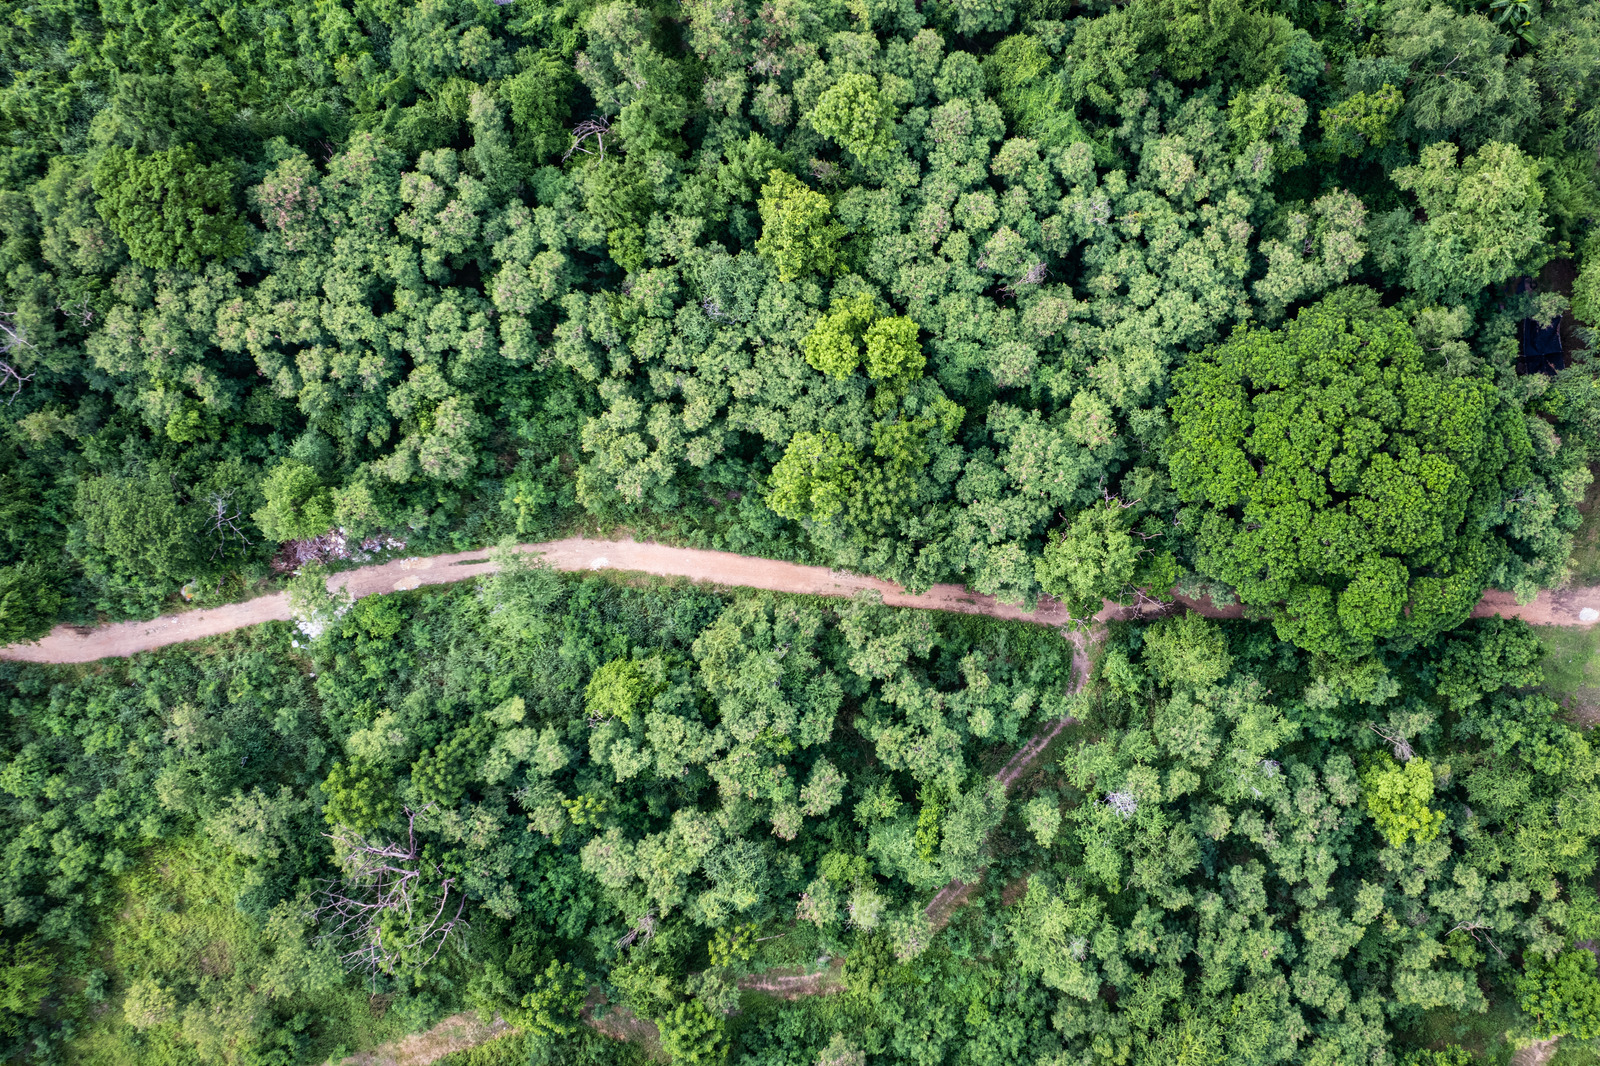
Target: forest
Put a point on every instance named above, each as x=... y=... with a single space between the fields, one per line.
x=584 y=804
x=1099 y=301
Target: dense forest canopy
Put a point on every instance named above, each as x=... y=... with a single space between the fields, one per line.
x=1094 y=300
x=890 y=286
x=529 y=793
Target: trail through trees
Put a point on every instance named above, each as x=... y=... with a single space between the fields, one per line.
x=76 y=644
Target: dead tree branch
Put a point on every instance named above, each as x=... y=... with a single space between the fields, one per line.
x=593 y=127
x=1401 y=746
x=223 y=524
x=381 y=912
x=12 y=339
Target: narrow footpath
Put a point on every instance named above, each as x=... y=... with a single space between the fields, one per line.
x=78 y=644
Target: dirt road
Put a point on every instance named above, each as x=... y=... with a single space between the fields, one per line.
x=72 y=644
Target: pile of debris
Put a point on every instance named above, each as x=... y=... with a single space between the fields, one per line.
x=332 y=545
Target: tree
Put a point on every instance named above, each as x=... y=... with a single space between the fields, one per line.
x=1484 y=221
x=136 y=525
x=894 y=355
x=1397 y=797
x=815 y=477
x=168 y=208
x=1361 y=121
x=833 y=345
x=622 y=689
x=27 y=973
x=1188 y=650
x=854 y=114
x=1562 y=995
x=797 y=235
x=554 y=1005
x=1100 y=556
x=1335 y=480
x=298 y=506
x=690 y=1035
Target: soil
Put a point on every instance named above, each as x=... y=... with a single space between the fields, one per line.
x=792 y=982
x=456 y=1033
x=70 y=644
x=620 y=1023
x=1535 y=1054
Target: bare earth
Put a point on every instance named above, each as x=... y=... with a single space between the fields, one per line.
x=71 y=644
x=1535 y=1054
x=456 y=1033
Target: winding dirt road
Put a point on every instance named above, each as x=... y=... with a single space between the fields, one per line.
x=77 y=644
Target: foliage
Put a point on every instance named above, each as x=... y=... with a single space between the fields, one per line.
x=1334 y=478
x=796 y=234
x=1562 y=995
x=1397 y=797
x=921 y=291
x=298 y=505
x=171 y=210
x=1484 y=221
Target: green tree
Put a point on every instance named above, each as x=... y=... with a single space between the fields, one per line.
x=1187 y=650
x=1361 y=121
x=554 y=1005
x=1099 y=557
x=1562 y=995
x=691 y=1035
x=1397 y=797
x=168 y=208
x=27 y=973
x=894 y=355
x=815 y=478
x=854 y=114
x=622 y=689
x=1336 y=480
x=833 y=345
x=298 y=505
x=797 y=234
x=1484 y=221
x=359 y=795
x=137 y=525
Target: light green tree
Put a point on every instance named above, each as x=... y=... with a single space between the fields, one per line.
x=1485 y=221
x=815 y=477
x=1397 y=797
x=797 y=233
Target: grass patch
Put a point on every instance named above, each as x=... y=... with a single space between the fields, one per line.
x=1572 y=670
x=187 y=974
x=1482 y=1034
x=1573 y=1053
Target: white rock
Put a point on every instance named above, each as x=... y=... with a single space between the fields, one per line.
x=1589 y=614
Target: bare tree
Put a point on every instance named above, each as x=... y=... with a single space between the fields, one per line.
x=80 y=311
x=382 y=910
x=12 y=339
x=223 y=524
x=597 y=128
x=1473 y=928
x=643 y=930
x=1396 y=740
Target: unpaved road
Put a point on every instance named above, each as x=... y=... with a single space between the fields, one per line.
x=71 y=644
